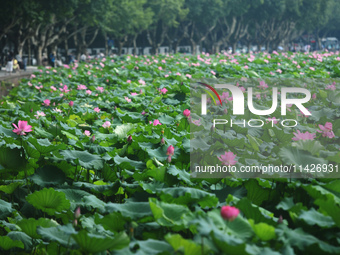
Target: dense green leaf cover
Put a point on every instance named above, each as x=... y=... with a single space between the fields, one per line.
x=131 y=199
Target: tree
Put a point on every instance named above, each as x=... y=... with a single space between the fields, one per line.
x=90 y=18
x=166 y=15
x=201 y=20
x=127 y=19
x=49 y=22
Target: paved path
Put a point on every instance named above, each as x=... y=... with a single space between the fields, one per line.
x=4 y=76
x=7 y=80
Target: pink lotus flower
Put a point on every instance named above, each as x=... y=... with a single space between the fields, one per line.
x=47 y=102
x=312 y=68
x=53 y=88
x=225 y=97
x=279 y=70
x=87 y=133
x=134 y=94
x=141 y=82
x=128 y=81
x=39 y=114
x=96 y=109
x=326 y=130
x=303 y=136
x=100 y=89
x=186 y=113
x=213 y=73
x=81 y=87
x=331 y=87
x=57 y=110
x=22 y=128
x=163 y=90
x=263 y=85
x=155 y=122
x=64 y=89
x=188 y=75
x=89 y=92
x=228 y=159
x=229 y=213
x=71 y=103
x=127 y=99
x=143 y=112
x=314 y=96
x=106 y=124
x=274 y=120
x=170 y=151
x=196 y=122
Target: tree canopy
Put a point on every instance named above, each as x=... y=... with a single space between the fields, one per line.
x=213 y=24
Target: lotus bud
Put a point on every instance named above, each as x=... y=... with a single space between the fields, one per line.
x=169 y=158
x=129 y=140
x=229 y=213
x=77 y=213
x=75 y=222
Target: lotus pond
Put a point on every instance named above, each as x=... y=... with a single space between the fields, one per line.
x=95 y=159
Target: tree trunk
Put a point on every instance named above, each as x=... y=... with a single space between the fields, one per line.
x=39 y=50
x=29 y=53
x=217 y=47
x=193 y=47
x=175 y=46
x=134 y=42
x=20 y=48
x=66 y=49
x=249 y=46
x=234 y=46
x=120 y=47
x=106 y=44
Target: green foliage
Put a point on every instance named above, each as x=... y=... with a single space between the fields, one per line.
x=62 y=191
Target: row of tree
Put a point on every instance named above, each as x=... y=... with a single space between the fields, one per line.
x=215 y=24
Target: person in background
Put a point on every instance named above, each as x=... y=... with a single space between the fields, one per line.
x=25 y=63
x=44 y=60
x=83 y=58
x=19 y=59
x=16 y=65
x=52 y=59
x=70 y=59
x=58 y=62
x=9 y=66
